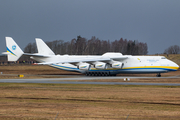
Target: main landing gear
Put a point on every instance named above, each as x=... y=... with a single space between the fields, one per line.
x=158 y=75
x=99 y=74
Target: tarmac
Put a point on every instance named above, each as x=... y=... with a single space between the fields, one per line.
x=80 y=80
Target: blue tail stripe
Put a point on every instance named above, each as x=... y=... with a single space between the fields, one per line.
x=10 y=51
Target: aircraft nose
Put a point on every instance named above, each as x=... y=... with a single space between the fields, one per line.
x=176 y=66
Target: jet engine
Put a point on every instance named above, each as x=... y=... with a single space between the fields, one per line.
x=117 y=65
x=84 y=66
x=100 y=65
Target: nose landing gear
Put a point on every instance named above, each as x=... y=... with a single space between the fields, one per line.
x=158 y=75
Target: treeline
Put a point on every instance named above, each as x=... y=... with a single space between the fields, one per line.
x=93 y=46
x=174 y=49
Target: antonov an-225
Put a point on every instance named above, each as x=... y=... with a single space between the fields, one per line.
x=108 y=64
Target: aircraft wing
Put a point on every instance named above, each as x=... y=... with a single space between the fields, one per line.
x=77 y=61
x=87 y=60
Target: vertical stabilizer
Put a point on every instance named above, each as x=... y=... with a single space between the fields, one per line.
x=43 y=48
x=14 y=52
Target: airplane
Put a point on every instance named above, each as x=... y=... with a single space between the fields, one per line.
x=108 y=64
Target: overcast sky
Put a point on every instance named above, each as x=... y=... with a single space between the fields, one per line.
x=156 y=22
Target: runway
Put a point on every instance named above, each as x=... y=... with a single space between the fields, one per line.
x=80 y=80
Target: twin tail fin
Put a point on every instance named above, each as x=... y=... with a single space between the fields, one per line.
x=14 y=52
x=42 y=48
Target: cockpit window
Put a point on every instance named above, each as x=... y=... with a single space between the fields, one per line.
x=163 y=57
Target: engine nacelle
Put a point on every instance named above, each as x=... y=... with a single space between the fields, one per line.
x=100 y=65
x=84 y=66
x=117 y=65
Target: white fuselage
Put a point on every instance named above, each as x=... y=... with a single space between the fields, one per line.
x=133 y=64
x=110 y=63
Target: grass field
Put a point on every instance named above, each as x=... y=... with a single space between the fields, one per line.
x=85 y=102
x=32 y=71
x=88 y=102
x=44 y=71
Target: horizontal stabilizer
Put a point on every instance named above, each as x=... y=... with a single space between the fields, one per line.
x=36 y=55
x=6 y=53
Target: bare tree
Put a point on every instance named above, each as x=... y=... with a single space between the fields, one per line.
x=72 y=46
x=93 y=46
x=30 y=48
x=175 y=49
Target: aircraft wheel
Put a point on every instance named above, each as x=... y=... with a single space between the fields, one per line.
x=158 y=75
x=113 y=74
x=102 y=73
x=107 y=74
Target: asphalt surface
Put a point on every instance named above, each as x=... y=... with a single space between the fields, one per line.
x=73 y=80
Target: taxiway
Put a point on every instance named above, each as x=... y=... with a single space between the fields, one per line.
x=87 y=80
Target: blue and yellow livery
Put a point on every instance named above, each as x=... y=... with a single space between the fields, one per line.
x=103 y=65
x=8 y=50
